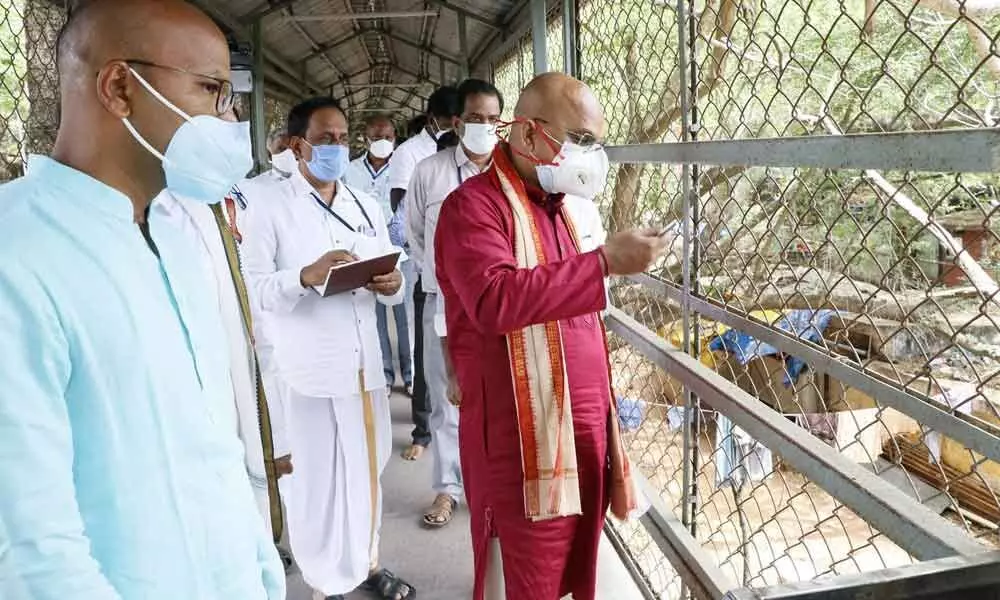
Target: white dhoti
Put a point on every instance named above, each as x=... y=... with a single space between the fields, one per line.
x=339 y=447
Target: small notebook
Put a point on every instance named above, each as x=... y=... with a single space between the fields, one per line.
x=351 y=276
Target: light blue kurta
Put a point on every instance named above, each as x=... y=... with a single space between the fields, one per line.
x=120 y=476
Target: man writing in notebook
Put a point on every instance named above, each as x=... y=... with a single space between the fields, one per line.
x=327 y=353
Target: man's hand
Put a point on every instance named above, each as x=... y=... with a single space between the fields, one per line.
x=454 y=392
x=387 y=284
x=631 y=252
x=315 y=274
x=283 y=466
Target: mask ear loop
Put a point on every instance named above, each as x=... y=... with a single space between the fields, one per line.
x=154 y=93
x=552 y=143
x=131 y=128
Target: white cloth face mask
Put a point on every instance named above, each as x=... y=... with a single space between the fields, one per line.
x=480 y=138
x=381 y=149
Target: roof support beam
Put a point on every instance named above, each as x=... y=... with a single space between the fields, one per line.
x=241 y=30
x=429 y=49
x=463 y=44
x=328 y=46
x=467 y=13
x=360 y=16
x=265 y=9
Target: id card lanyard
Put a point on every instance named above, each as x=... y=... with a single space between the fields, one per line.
x=369 y=232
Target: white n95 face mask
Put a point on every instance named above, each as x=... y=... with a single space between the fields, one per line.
x=580 y=172
x=285 y=161
x=480 y=138
x=381 y=148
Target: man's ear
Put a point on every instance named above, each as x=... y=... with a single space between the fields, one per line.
x=115 y=87
x=298 y=147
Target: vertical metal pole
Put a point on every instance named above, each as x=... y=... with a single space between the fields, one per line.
x=304 y=74
x=690 y=440
x=463 y=45
x=257 y=120
x=538 y=31
x=570 y=66
x=694 y=245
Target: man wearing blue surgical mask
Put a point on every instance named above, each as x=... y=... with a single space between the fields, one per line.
x=122 y=476
x=327 y=353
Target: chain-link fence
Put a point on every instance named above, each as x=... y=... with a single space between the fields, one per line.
x=29 y=84
x=860 y=303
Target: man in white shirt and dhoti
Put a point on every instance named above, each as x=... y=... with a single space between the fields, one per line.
x=327 y=354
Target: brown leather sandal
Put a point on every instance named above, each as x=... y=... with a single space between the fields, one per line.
x=440 y=512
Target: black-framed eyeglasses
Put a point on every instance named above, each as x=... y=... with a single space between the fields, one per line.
x=225 y=98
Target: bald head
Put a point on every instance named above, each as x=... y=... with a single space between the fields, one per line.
x=102 y=30
x=553 y=108
x=106 y=50
x=562 y=100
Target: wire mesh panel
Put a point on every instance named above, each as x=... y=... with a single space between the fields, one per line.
x=29 y=85
x=859 y=302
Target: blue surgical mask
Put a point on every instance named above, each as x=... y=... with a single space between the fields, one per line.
x=329 y=162
x=206 y=156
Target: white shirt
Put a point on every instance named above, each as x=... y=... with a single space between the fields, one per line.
x=406 y=157
x=432 y=181
x=196 y=220
x=320 y=343
x=361 y=175
x=590 y=234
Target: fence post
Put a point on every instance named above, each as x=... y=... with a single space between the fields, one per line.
x=569 y=27
x=691 y=405
x=538 y=31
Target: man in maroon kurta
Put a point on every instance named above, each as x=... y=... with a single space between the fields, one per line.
x=488 y=295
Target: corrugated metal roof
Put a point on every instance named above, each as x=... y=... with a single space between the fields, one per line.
x=346 y=55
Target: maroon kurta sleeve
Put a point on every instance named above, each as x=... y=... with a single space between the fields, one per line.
x=475 y=254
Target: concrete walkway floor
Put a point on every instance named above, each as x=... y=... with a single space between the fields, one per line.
x=439 y=563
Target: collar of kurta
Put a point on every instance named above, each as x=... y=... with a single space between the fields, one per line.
x=81 y=187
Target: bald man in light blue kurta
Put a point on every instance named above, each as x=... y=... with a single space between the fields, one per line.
x=119 y=469
x=121 y=474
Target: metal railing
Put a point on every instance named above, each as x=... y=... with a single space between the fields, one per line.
x=810 y=374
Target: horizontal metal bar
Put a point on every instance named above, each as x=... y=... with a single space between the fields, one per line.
x=365 y=86
x=694 y=566
x=975 y=434
x=943 y=576
x=358 y=16
x=624 y=554
x=912 y=526
x=959 y=150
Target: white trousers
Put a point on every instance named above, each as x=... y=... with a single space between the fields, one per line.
x=444 y=415
x=339 y=448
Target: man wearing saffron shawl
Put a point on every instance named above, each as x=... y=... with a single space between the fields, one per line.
x=541 y=454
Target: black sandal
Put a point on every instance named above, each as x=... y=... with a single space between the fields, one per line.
x=388 y=586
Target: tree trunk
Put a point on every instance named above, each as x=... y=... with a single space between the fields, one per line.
x=42 y=21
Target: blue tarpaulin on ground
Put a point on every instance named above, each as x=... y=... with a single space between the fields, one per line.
x=808 y=325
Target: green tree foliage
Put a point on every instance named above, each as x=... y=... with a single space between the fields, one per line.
x=766 y=68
